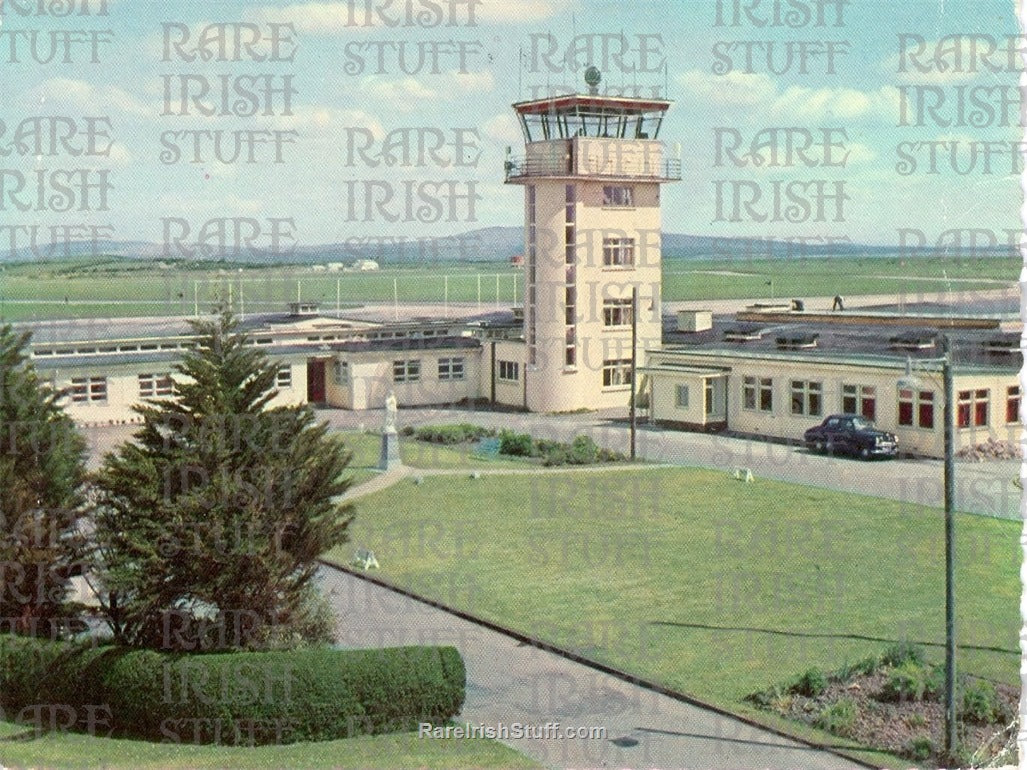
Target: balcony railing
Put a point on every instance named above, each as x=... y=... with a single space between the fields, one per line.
x=520 y=168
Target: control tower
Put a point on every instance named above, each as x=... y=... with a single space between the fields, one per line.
x=591 y=172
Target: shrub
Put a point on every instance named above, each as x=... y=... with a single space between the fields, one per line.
x=583 y=451
x=910 y=681
x=811 y=684
x=452 y=434
x=838 y=718
x=920 y=748
x=557 y=456
x=980 y=702
x=515 y=444
x=863 y=667
x=903 y=652
x=235 y=698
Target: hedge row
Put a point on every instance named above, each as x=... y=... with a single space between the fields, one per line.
x=232 y=699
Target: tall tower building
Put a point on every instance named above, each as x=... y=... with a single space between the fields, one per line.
x=591 y=172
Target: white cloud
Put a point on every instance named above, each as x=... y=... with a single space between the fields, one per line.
x=735 y=89
x=519 y=11
x=813 y=104
x=959 y=59
x=82 y=95
x=334 y=18
x=503 y=128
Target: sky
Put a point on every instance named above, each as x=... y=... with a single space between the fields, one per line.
x=410 y=100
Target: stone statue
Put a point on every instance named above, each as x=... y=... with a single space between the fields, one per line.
x=390 y=413
x=389 y=457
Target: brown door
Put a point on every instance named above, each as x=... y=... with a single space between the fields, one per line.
x=316 y=382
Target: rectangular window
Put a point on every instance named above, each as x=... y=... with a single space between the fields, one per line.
x=617 y=312
x=708 y=396
x=153 y=385
x=451 y=368
x=807 y=398
x=616 y=372
x=681 y=398
x=341 y=369
x=758 y=394
x=1013 y=404
x=860 y=399
x=972 y=408
x=88 y=390
x=916 y=408
x=618 y=251
x=284 y=377
x=509 y=371
x=406 y=371
x=616 y=195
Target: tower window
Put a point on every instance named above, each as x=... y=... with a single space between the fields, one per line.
x=618 y=251
x=615 y=195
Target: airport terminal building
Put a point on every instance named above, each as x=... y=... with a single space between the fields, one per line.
x=592 y=325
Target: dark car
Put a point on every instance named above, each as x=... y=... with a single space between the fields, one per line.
x=851 y=434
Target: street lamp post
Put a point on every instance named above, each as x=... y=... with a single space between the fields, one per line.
x=909 y=381
x=950 y=553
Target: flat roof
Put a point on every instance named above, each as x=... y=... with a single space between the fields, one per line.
x=576 y=102
x=991 y=349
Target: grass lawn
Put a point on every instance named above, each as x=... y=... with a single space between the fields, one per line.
x=388 y=752
x=687 y=577
x=420 y=454
x=119 y=288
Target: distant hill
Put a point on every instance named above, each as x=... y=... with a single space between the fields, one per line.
x=485 y=244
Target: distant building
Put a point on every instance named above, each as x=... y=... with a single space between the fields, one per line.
x=517 y=260
x=365 y=265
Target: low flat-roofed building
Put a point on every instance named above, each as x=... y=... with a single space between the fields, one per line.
x=777 y=374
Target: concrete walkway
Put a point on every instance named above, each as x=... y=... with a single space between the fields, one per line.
x=510 y=682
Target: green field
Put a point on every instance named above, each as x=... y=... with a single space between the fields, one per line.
x=120 y=288
x=691 y=579
x=380 y=752
x=420 y=454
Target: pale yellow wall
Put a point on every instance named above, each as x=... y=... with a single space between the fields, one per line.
x=371 y=379
x=123 y=390
x=552 y=385
x=664 y=398
x=781 y=423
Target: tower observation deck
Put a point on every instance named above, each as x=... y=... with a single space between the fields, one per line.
x=591 y=170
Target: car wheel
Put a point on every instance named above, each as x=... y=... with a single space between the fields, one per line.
x=829 y=448
x=865 y=453
x=819 y=446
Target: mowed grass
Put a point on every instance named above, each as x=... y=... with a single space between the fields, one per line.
x=690 y=578
x=366 y=449
x=387 y=752
x=121 y=288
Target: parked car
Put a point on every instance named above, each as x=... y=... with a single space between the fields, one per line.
x=851 y=434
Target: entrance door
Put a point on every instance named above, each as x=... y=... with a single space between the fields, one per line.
x=316 y=382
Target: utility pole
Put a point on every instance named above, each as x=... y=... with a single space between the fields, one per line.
x=951 y=740
x=634 y=366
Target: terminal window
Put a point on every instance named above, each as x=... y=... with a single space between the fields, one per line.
x=451 y=368
x=88 y=390
x=509 y=371
x=406 y=371
x=758 y=394
x=151 y=385
x=972 y=408
x=916 y=408
x=616 y=372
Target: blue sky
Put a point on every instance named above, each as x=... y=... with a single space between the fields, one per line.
x=313 y=184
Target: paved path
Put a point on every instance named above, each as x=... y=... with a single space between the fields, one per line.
x=511 y=682
x=983 y=488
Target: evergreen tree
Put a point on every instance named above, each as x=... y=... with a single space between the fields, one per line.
x=209 y=523
x=41 y=475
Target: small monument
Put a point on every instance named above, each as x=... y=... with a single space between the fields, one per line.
x=390 y=439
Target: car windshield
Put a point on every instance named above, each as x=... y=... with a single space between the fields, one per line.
x=861 y=423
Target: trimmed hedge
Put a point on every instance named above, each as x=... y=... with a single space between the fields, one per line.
x=249 y=698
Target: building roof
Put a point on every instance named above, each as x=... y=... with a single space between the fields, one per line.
x=408 y=344
x=868 y=344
